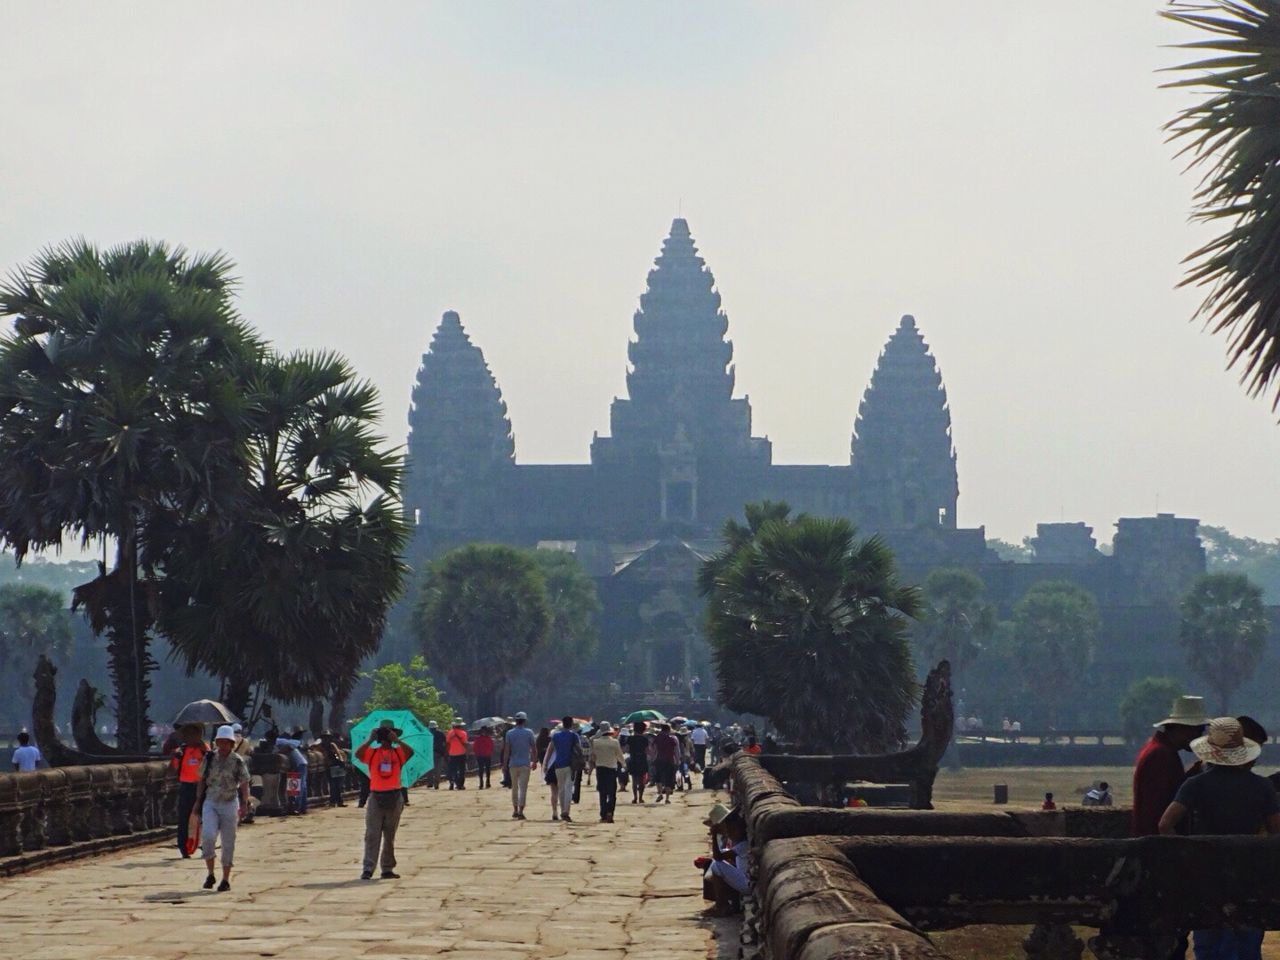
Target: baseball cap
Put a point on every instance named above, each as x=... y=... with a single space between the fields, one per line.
x=522 y=715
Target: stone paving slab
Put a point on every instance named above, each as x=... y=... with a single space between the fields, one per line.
x=475 y=884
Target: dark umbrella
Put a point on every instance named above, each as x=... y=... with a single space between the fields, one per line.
x=204 y=711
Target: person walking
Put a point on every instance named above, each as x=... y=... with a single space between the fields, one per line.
x=385 y=756
x=438 y=754
x=519 y=758
x=666 y=756
x=187 y=760
x=455 y=747
x=699 y=737
x=293 y=747
x=1158 y=772
x=482 y=749
x=222 y=795
x=561 y=751
x=337 y=760
x=25 y=756
x=638 y=760
x=606 y=753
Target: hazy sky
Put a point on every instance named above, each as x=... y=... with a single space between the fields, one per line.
x=996 y=169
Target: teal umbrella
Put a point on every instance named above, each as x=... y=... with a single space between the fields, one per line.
x=415 y=733
x=648 y=716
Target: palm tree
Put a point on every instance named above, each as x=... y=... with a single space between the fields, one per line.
x=1224 y=628
x=113 y=386
x=287 y=590
x=482 y=615
x=1233 y=134
x=808 y=626
x=956 y=620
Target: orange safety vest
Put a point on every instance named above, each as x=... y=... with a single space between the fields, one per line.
x=187 y=760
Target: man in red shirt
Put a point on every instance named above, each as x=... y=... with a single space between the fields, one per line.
x=384 y=755
x=186 y=761
x=1159 y=773
x=482 y=748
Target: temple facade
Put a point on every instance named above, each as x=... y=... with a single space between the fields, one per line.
x=681 y=458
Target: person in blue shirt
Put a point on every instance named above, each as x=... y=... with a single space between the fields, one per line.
x=26 y=757
x=292 y=748
x=560 y=752
x=518 y=758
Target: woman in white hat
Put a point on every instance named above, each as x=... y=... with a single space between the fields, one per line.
x=222 y=797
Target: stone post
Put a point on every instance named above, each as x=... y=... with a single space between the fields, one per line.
x=1053 y=941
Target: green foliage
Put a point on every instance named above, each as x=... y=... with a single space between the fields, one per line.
x=1256 y=559
x=1232 y=133
x=1224 y=630
x=956 y=622
x=1147 y=702
x=808 y=627
x=397 y=686
x=1055 y=627
x=33 y=620
x=1015 y=552
x=61 y=576
x=482 y=615
x=113 y=387
x=575 y=612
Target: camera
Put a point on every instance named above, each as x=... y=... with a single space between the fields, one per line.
x=382 y=735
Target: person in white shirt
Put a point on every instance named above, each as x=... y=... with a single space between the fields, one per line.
x=699 y=737
x=26 y=757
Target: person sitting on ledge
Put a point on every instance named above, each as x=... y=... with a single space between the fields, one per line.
x=1048 y=803
x=725 y=878
x=1098 y=796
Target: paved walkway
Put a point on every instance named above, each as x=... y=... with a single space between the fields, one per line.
x=475 y=884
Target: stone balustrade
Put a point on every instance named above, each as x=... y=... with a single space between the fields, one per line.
x=843 y=884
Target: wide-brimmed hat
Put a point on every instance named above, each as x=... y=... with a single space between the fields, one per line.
x=605 y=727
x=431 y=724
x=457 y=722
x=719 y=814
x=225 y=733
x=1225 y=744
x=1186 y=712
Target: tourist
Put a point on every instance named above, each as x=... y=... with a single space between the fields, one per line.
x=455 y=747
x=244 y=747
x=1098 y=796
x=717 y=740
x=1016 y=729
x=699 y=738
x=581 y=760
x=27 y=757
x=292 y=747
x=1228 y=799
x=519 y=757
x=1048 y=803
x=638 y=760
x=337 y=760
x=222 y=795
x=752 y=747
x=543 y=741
x=666 y=756
x=437 y=754
x=186 y=761
x=1158 y=772
x=606 y=754
x=561 y=752
x=385 y=756
x=727 y=873
x=482 y=748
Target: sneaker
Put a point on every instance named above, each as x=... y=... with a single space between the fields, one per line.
x=367 y=875
x=521 y=816
x=209 y=881
x=515 y=814
x=566 y=818
x=224 y=886
x=390 y=875
x=555 y=816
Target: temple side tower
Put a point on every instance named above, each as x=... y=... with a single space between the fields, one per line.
x=460 y=441
x=904 y=465
x=680 y=432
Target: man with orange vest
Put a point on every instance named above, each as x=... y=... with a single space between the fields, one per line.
x=455 y=745
x=186 y=761
x=384 y=755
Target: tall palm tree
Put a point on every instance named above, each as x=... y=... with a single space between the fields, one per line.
x=113 y=386
x=956 y=620
x=808 y=626
x=287 y=589
x=1234 y=136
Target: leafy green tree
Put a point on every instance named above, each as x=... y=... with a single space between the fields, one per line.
x=1258 y=560
x=397 y=686
x=1015 y=552
x=288 y=589
x=1224 y=629
x=808 y=626
x=1146 y=702
x=483 y=614
x=1055 y=628
x=956 y=622
x=1232 y=133
x=114 y=386
x=575 y=612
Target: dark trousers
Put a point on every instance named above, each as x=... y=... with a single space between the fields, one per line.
x=458 y=771
x=364 y=786
x=577 y=785
x=700 y=755
x=186 y=803
x=336 y=786
x=483 y=767
x=607 y=784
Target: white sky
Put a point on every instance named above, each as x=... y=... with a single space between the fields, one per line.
x=996 y=169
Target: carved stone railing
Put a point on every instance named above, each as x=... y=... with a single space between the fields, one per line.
x=64 y=807
x=870 y=882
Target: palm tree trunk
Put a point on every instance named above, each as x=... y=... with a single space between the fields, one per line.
x=128 y=651
x=237 y=692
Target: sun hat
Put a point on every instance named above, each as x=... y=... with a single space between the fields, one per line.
x=605 y=727
x=719 y=814
x=1225 y=744
x=236 y=728
x=225 y=733
x=431 y=724
x=1186 y=712
x=458 y=722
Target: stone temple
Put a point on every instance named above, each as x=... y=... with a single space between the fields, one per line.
x=681 y=458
